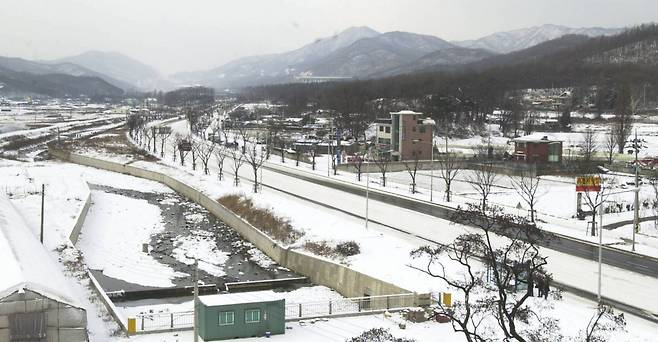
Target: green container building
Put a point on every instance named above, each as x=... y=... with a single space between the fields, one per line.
x=236 y=315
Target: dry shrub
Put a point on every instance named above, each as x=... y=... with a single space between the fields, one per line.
x=341 y=250
x=319 y=248
x=276 y=227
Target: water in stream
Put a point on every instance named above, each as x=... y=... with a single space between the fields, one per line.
x=190 y=231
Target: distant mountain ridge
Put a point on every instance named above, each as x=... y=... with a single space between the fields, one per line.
x=274 y=68
x=121 y=70
x=510 y=41
x=361 y=52
x=55 y=79
x=358 y=52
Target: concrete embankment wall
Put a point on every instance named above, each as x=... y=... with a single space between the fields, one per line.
x=346 y=281
x=82 y=215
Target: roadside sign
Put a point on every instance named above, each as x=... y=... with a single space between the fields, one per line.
x=164 y=130
x=588 y=183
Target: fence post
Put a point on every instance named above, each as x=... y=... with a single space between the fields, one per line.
x=142 y=322
x=359 y=302
x=172 y=320
x=300 y=309
x=388 y=304
x=330 y=307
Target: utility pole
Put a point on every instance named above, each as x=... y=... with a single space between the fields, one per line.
x=600 y=247
x=196 y=300
x=43 y=195
x=636 y=216
x=367 y=188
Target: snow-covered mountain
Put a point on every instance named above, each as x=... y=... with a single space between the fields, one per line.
x=274 y=67
x=132 y=73
x=371 y=56
x=505 y=42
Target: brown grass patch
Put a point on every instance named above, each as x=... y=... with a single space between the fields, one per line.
x=277 y=228
x=325 y=249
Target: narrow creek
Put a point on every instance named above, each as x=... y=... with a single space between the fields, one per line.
x=191 y=231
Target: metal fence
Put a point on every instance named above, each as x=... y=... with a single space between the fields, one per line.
x=164 y=321
x=349 y=305
x=184 y=320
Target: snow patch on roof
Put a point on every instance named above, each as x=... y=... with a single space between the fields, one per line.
x=537 y=137
x=26 y=265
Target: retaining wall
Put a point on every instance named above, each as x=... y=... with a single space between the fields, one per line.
x=82 y=215
x=346 y=281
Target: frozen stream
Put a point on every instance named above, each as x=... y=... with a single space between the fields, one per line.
x=177 y=231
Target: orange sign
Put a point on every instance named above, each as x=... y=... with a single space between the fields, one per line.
x=588 y=183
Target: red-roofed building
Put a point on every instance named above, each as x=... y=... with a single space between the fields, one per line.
x=537 y=148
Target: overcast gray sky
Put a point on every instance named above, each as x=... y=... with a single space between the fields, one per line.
x=201 y=34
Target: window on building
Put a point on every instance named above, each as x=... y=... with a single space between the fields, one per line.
x=413 y=128
x=422 y=129
x=381 y=128
x=226 y=318
x=252 y=316
x=388 y=129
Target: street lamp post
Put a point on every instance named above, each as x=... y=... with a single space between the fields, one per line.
x=432 y=171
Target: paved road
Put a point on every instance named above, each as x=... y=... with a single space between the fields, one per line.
x=625 y=260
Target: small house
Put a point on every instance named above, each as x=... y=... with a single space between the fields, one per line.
x=238 y=315
x=537 y=148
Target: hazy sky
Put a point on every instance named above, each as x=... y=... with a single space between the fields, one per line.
x=201 y=34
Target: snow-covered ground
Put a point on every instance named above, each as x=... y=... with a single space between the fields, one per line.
x=112 y=238
x=385 y=252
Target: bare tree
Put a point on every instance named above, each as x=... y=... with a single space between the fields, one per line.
x=588 y=145
x=174 y=146
x=357 y=163
x=194 y=151
x=147 y=135
x=313 y=152
x=204 y=150
x=602 y=323
x=298 y=155
x=624 y=109
x=610 y=144
x=184 y=147
x=255 y=158
x=382 y=160
x=242 y=131
x=412 y=169
x=526 y=186
x=450 y=167
x=489 y=306
x=220 y=156
x=529 y=122
x=154 y=134
x=238 y=160
x=482 y=180
x=333 y=156
x=595 y=199
x=164 y=136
